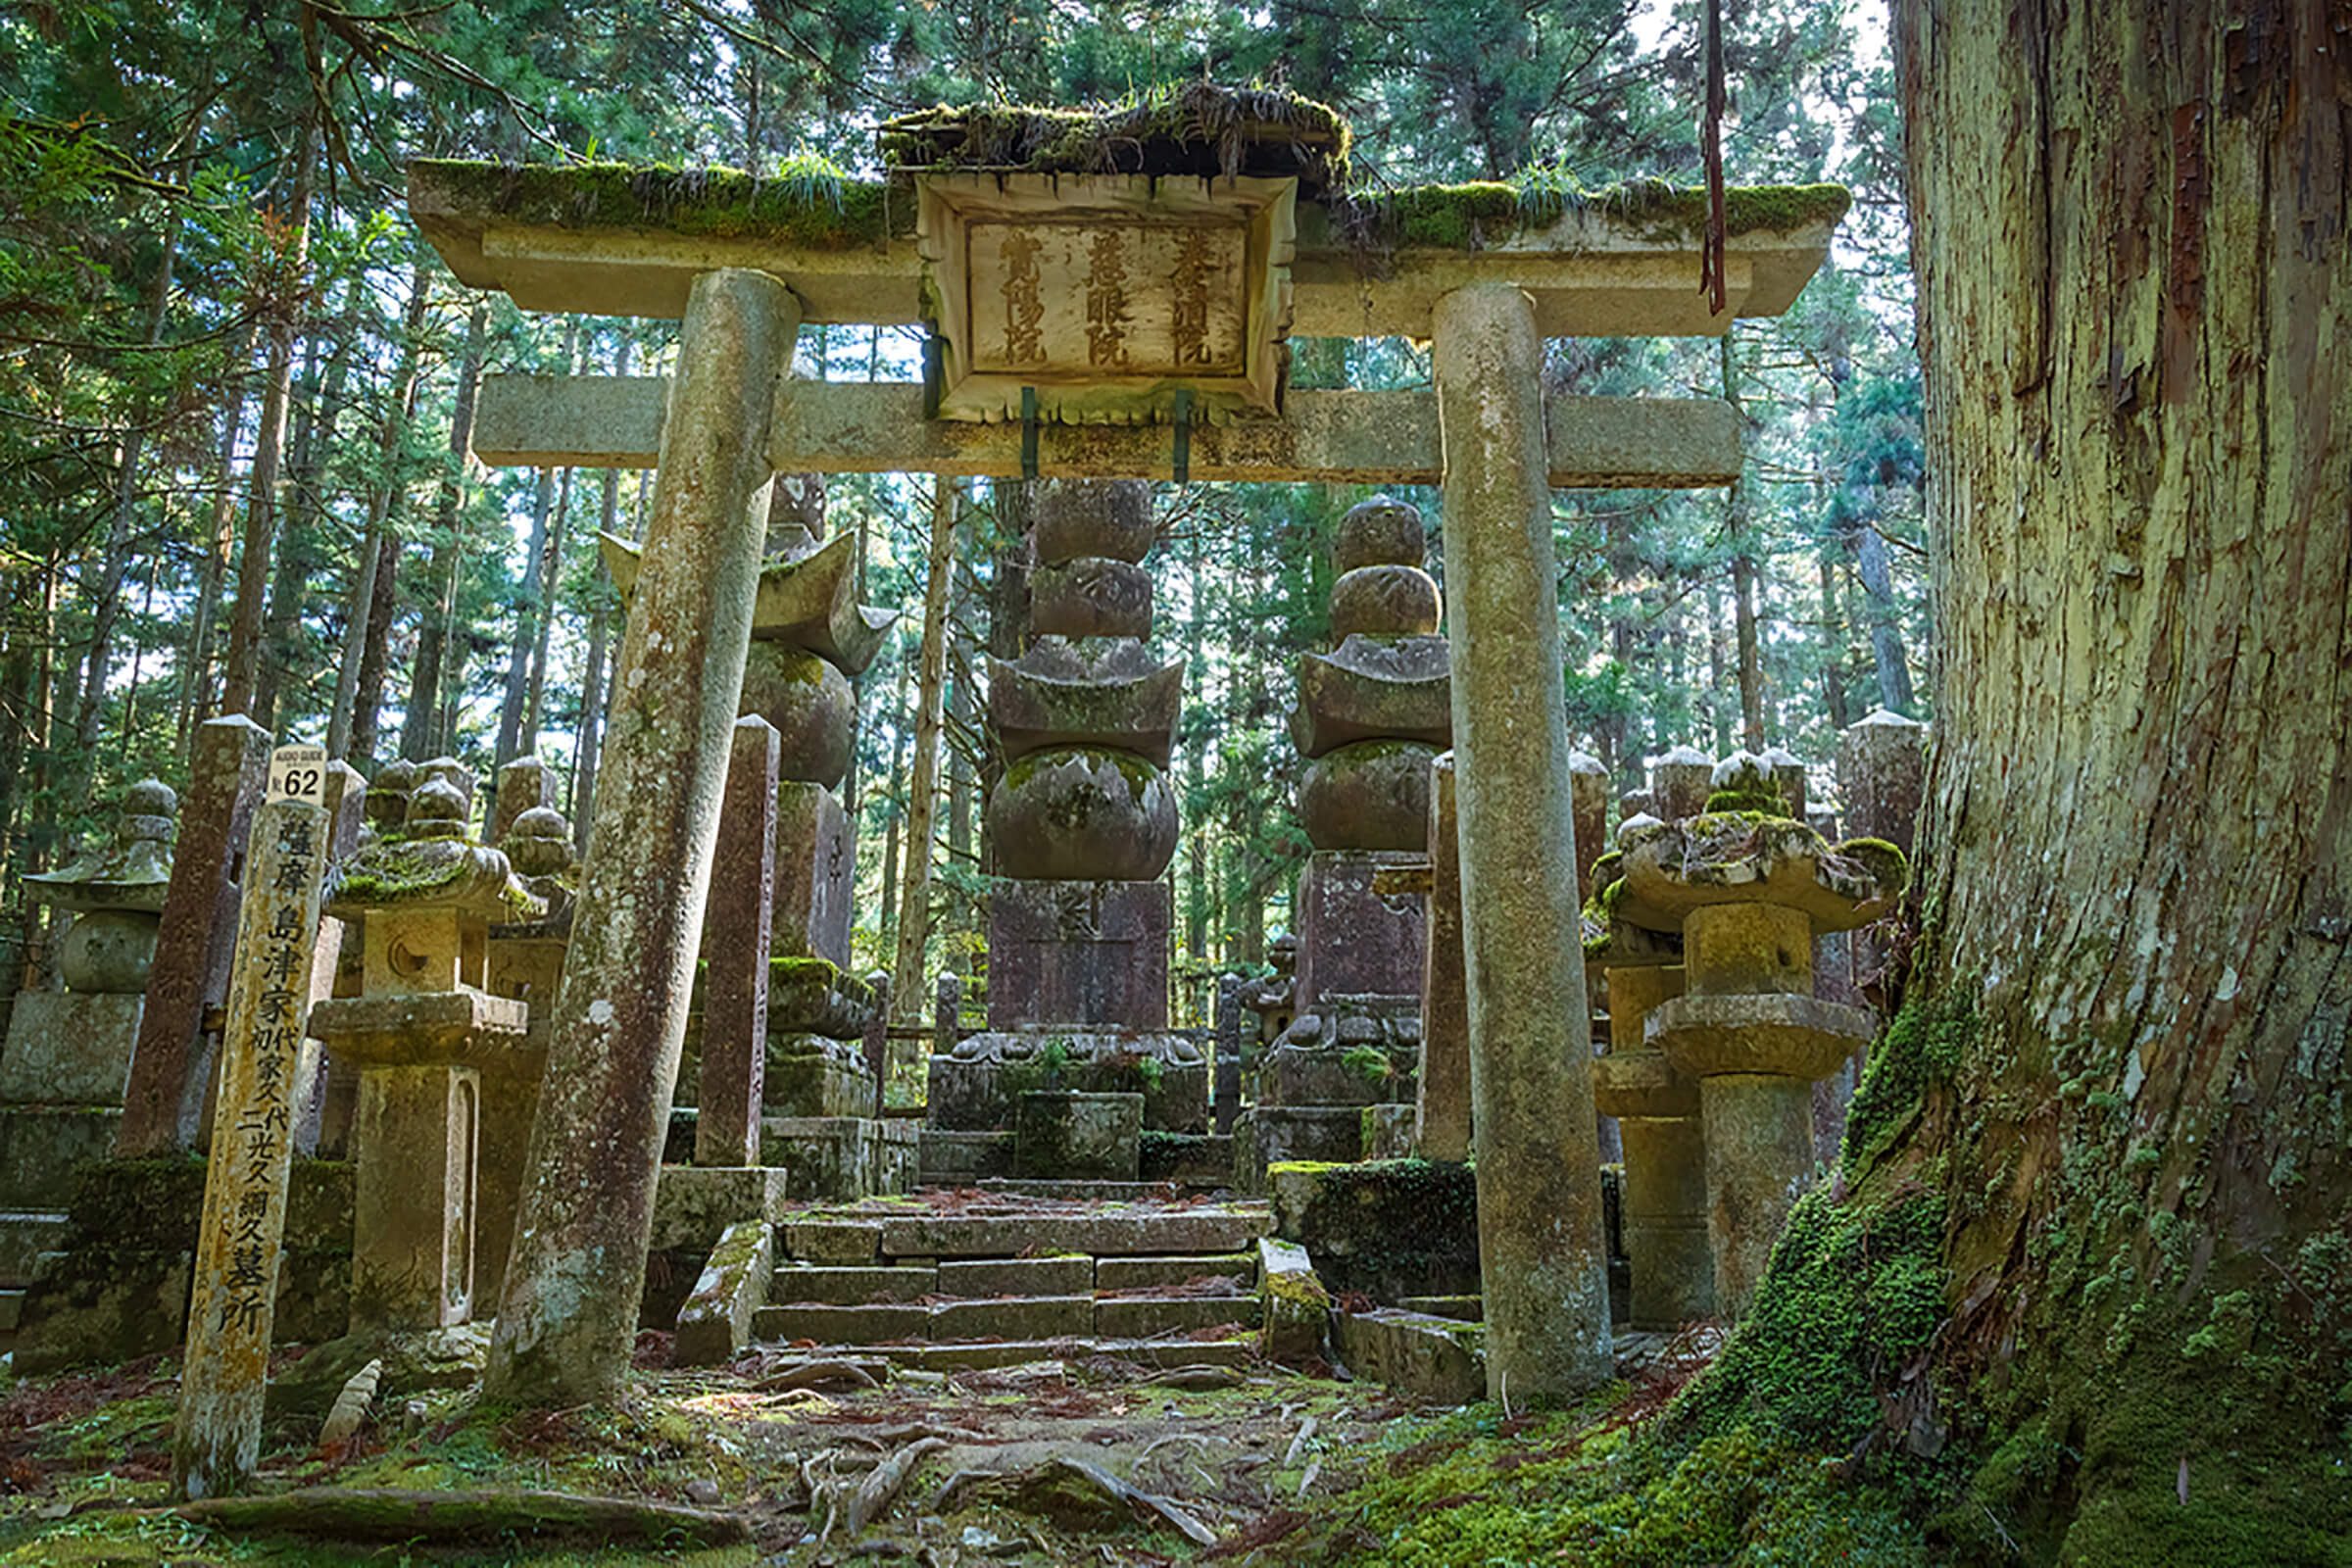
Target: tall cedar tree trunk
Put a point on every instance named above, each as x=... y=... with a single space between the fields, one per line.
x=300 y=556
x=2120 y=1073
x=894 y=811
x=106 y=596
x=1007 y=621
x=420 y=730
x=280 y=288
x=365 y=628
x=600 y=620
x=196 y=673
x=526 y=621
x=1833 y=645
x=551 y=560
x=1738 y=531
x=1893 y=669
x=906 y=991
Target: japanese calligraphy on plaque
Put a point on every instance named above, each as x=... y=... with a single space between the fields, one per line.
x=1108 y=295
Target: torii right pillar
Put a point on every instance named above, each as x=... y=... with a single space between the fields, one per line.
x=1543 y=1259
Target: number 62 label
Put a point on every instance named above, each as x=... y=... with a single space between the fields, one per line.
x=298 y=774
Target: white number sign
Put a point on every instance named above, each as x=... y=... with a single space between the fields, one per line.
x=298 y=774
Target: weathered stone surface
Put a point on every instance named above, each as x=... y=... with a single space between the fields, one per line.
x=737 y=923
x=1795 y=1037
x=1371 y=795
x=1665 y=1219
x=1267 y=1136
x=1065 y=1133
x=1444 y=1082
x=1079 y=952
x=840 y=1158
x=1681 y=781
x=1674 y=867
x=1073 y=519
x=227 y=768
x=569 y=1312
x=953 y=1156
x=68 y=1047
x=1295 y=1308
x=862 y=1323
x=397 y=1030
x=1016 y=1317
x=1379 y=532
x=1096 y=692
x=1882 y=775
x=1071 y=813
x=1201 y=1228
x=975 y=1089
x=1385 y=688
x=811 y=704
x=1759 y=1133
x=1540 y=1223
x=808 y=1075
x=417 y=1132
x=1017 y=1276
x=525 y=784
x=1353 y=939
x=715 y=1326
x=1789 y=777
x=1140 y=1318
x=44 y=1149
x=695 y=1204
x=1384 y=602
x=807 y=601
x=1589 y=791
x=1365 y=1051
x=834 y=1242
x=1731 y=947
x=1388 y=1229
x=816 y=861
x=1392 y=1131
x=1092 y=596
x=1237 y=1269
x=1434 y=1358
x=818 y=1284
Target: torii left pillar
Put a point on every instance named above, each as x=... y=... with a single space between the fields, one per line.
x=1543 y=1263
x=569 y=1314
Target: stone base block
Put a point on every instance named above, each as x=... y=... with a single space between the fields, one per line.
x=1349 y=1050
x=68 y=1047
x=119 y=1288
x=808 y=1075
x=951 y=1158
x=1190 y=1159
x=1066 y=1135
x=1351 y=938
x=44 y=1149
x=693 y=1205
x=1081 y=955
x=1438 y=1358
x=817 y=863
x=1295 y=1307
x=1388 y=1229
x=1270 y=1135
x=976 y=1089
x=840 y=1158
x=715 y=1323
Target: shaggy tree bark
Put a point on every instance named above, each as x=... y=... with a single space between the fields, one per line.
x=2121 y=1058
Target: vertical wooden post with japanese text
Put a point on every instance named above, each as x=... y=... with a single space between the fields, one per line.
x=216 y=1441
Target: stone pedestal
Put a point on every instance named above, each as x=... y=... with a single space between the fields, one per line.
x=1351 y=938
x=1066 y=1135
x=1749 y=894
x=1664 y=1204
x=1086 y=954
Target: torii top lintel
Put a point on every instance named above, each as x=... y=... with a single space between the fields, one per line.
x=612 y=240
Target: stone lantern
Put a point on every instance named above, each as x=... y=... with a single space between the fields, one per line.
x=420 y=1033
x=1748 y=891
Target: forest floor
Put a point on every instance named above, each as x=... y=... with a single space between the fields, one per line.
x=1037 y=1464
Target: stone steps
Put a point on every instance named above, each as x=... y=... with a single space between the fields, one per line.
x=988 y=1353
x=865 y=1236
x=987 y=1284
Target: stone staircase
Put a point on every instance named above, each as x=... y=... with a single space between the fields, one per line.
x=969 y=1279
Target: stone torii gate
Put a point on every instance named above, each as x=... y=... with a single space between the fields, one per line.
x=1100 y=327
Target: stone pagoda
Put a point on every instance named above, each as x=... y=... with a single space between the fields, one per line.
x=68 y=1051
x=1373 y=714
x=1082 y=825
x=420 y=1033
x=1748 y=888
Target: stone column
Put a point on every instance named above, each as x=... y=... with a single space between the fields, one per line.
x=569 y=1314
x=1681 y=782
x=737 y=927
x=1543 y=1253
x=172 y=1064
x=1589 y=788
x=1447 y=1066
x=1665 y=1190
x=1225 y=1095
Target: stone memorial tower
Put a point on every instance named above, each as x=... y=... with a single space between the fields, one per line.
x=1372 y=716
x=1083 y=825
